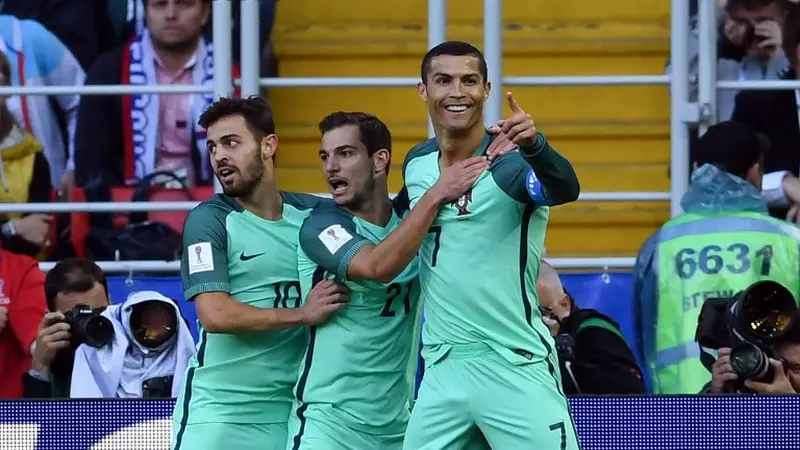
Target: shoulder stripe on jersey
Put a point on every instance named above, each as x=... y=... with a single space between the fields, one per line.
x=559 y=388
x=301 y=386
x=423 y=148
x=319 y=275
x=523 y=260
x=187 y=394
x=523 y=264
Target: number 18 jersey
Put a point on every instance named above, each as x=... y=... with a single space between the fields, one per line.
x=360 y=364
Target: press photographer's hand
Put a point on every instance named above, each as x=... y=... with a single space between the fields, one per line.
x=722 y=371
x=780 y=384
x=552 y=325
x=53 y=336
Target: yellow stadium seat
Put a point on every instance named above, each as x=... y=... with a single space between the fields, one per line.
x=617 y=137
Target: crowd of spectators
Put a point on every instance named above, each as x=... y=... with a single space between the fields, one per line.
x=53 y=144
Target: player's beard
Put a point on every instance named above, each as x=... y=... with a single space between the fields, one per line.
x=249 y=179
x=361 y=197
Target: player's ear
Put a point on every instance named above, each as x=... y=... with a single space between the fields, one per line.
x=423 y=91
x=269 y=145
x=487 y=90
x=381 y=160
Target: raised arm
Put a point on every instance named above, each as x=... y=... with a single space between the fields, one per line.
x=549 y=178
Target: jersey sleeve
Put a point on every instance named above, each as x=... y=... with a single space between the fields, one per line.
x=329 y=238
x=538 y=174
x=204 y=264
x=401 y=203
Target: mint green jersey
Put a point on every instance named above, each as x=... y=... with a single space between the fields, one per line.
x=357 y=363
x=244 y=377
x=480 y=262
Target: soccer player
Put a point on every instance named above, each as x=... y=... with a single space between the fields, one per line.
x=490 y=361
x=355 y=386
x=239 y=266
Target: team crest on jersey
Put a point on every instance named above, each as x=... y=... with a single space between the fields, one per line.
x=462 y=203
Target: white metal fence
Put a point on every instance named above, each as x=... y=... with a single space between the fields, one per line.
x=683 y=113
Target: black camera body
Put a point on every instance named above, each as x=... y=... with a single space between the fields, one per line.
x=564 y=342
x=88 y=326
x=750 y=323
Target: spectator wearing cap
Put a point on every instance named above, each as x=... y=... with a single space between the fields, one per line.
x=776 y=114
x=724 y=242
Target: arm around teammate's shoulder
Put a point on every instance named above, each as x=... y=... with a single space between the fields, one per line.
x=334 y=244
x=384 y=261
x=218 y=312
x=206 y=280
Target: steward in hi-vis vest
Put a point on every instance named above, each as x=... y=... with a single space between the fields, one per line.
x=724 y=242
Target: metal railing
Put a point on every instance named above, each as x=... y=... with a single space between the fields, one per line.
x=131 y=267
x=437 y=31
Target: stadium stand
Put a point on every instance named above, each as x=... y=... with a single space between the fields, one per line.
x=616 y=136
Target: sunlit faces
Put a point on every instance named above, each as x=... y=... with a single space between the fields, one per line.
x=236 y=158
x=455 y=92
x=349 y=169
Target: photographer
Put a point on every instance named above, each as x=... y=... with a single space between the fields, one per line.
x=724 y=242
x=592 y=354
x=71 y=282
x=142 y=353
x=784 y=377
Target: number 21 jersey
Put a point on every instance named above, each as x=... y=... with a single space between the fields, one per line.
x=360 y=364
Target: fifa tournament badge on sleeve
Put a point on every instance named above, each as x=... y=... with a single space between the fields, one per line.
x=200 y=258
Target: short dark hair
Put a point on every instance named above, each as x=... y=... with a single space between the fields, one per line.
x=72 y=275
x=454 y=48
x=256 y=112
x=374 y=134
x=732 y=147
x=750 y=5
x=205 y=2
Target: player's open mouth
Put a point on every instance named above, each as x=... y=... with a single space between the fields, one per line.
x=225 y=172
x=456 y=108
x=337 y=185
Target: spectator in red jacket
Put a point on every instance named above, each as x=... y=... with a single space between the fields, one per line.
x=22 y=306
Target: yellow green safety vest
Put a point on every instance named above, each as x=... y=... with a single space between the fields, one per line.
x=699 y=257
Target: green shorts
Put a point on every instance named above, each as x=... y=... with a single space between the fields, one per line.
x=229 y=436
x=513 y=407
x=315 y=430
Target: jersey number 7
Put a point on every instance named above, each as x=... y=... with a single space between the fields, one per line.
x=437 y=234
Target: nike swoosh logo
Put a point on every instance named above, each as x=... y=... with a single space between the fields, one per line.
x=244 y=257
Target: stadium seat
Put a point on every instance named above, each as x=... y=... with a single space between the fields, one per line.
x=80 y=221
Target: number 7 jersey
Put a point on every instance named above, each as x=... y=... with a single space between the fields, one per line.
x=360 y=365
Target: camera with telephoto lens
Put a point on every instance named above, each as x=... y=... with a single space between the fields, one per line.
x=751 y=324
x=88 y=326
